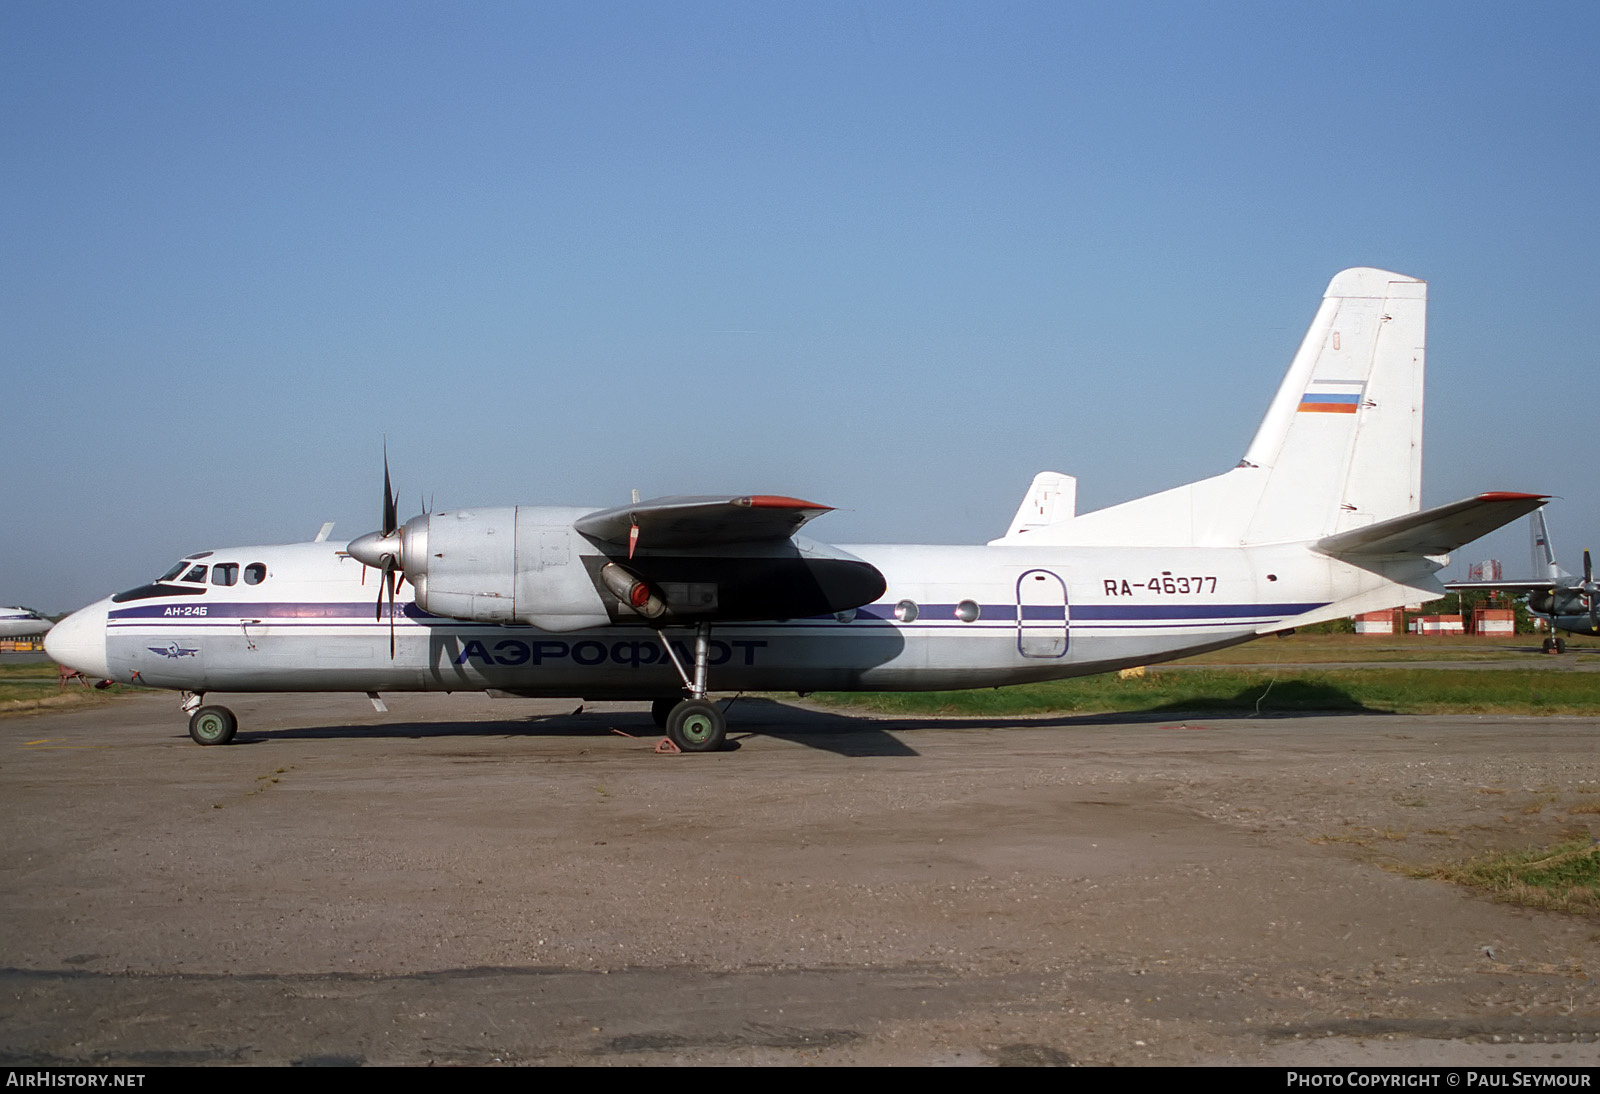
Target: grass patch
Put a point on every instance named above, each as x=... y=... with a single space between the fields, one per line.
x=1397 y=690
x=1563 y=878
x=1322 y=648
x=28 y=680
x=27 y=670
x=30 y=686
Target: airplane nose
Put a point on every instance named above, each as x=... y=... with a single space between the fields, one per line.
x=79 y=642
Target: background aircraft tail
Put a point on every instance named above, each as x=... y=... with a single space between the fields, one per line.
x=1340 y=447
x=1544 y=555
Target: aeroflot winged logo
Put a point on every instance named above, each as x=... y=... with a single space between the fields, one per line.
x=173 y=650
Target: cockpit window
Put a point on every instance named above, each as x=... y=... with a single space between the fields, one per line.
x=196 y=574
x=175 y=571
x=225 y=573
x=255 y=573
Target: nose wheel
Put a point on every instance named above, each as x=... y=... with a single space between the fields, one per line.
x=213 y=726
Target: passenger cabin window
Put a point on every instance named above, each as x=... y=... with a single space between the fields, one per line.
x=255 y=573
x=196 y=574
x=225 y=573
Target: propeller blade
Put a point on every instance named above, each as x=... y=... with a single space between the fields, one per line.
x=388 y=578
x=391 y=504
x=1591 y=592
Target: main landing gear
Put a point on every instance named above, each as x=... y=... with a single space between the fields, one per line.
x=210 y=725
x=1555 y=645
x=695 y=724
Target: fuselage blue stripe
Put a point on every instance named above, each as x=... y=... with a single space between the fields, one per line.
x=234 y=612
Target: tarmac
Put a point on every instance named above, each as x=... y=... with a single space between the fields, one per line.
x=467 y=880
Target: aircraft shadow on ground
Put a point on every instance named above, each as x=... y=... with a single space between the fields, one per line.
x=1288 y=699
x=747 y=717
x=845 y=732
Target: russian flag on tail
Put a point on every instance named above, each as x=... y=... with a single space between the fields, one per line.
x=1331 y=397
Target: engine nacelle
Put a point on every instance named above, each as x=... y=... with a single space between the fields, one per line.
x=531 y=565
x=503 y=565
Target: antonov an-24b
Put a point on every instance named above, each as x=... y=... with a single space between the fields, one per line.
x=672 y=599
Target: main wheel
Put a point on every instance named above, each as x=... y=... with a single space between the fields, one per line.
x=213 y=726
x=661 y=710
x=1561 y=645
x=1549 y=644
x=697 y=725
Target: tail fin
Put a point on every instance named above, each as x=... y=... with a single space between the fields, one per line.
x=1340 y=446
x=1343 y=438
x=1544 y=556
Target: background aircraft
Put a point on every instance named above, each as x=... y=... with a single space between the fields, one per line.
x=22 y=623
x=1568 y=602
x=670 y=599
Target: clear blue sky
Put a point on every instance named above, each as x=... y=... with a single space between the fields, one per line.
x=891 y=257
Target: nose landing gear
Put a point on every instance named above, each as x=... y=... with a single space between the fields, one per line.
x=213 y=726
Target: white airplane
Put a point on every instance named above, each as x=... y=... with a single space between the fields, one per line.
x=22 y=623
x=672 y=599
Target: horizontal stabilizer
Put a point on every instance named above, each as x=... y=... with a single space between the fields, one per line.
x=1435 y=531
x=700 y=521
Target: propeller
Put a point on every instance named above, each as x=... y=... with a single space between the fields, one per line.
x=382 y=550
x=1589 y=590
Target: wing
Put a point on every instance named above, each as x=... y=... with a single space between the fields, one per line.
x=720 y=559
x=700 y=521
